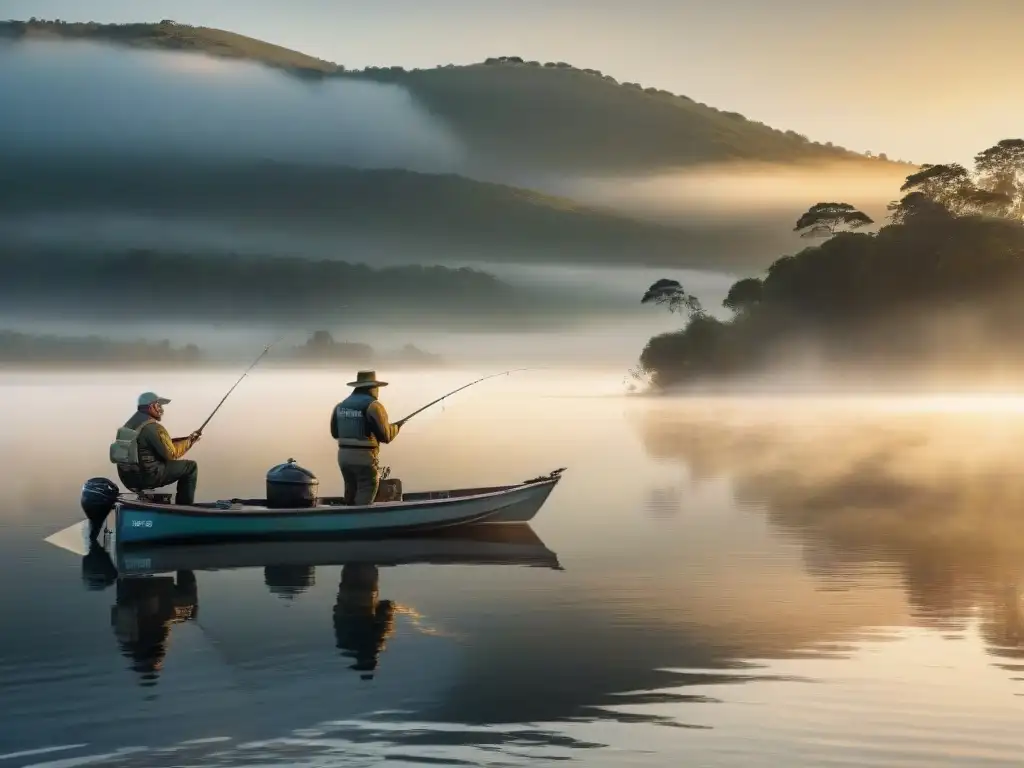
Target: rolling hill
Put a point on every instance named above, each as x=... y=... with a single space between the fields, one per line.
x=431 y=217
x=581 y=121
x=168 y=35
x=545 y=115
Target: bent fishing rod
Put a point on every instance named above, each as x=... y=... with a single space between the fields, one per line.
x=400 y=422
x=254 y=362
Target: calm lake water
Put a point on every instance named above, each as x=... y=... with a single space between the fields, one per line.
x=775 y=582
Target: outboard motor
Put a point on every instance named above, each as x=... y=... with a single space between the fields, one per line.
x=290 y=486
x=99 y=495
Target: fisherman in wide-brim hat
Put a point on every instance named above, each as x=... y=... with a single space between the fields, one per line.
x=360 y=424
x=367 y=379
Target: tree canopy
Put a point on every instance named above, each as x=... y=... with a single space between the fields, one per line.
x=825 y=219
x=670 y=294
x=744 y=294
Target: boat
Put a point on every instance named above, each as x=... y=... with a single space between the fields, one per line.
x=143 y=521
x=512 y=544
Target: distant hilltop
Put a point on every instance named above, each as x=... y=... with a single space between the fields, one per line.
x=579 y=120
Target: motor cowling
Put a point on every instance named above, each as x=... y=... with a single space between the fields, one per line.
x=290 y=486
x=99 y=495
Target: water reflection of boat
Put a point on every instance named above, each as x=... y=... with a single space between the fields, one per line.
x=493 y=544
x=149 y=601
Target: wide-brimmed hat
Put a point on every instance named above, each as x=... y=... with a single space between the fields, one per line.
x=148 y=398
x=367 y=379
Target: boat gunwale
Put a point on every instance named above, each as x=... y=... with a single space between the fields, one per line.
x=380 y=507
x=269 y=536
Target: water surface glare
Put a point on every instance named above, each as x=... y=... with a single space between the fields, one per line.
x=715 y=582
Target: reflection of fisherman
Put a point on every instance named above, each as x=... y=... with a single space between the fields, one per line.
x=142 y=617
x=146 y=455
x=360 y=424
x=362 y=624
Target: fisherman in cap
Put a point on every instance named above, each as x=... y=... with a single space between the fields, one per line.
x=147 y=457
x=360 y=424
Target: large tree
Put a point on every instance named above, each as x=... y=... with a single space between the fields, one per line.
x=1000 y=170
x=743 y=294
x=826 y=219
x=917 y=206
x=952 y=186
x=671 y=294
x=943 y=183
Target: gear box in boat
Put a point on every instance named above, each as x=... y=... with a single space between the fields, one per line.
x=290 y=486
x=389 y=489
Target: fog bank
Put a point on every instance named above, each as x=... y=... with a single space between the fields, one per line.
x=752 y=194
x=103 y=99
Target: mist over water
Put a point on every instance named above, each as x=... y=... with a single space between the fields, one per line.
x=102 y=99
x=611 y=336
x=593 y=341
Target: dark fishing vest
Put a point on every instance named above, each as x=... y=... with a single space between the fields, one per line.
x=150 y=465
x=353 y=423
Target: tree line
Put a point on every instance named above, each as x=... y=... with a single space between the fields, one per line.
x=143 y=282
x=23 y=348
x=18 y=348
x=321 y=347
x=939 y=285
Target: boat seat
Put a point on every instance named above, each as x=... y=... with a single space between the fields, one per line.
x=146 y=495
x=149 y=494
x=153 y=498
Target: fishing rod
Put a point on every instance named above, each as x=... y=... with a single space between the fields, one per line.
x=400 y=422
x=254 y=362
